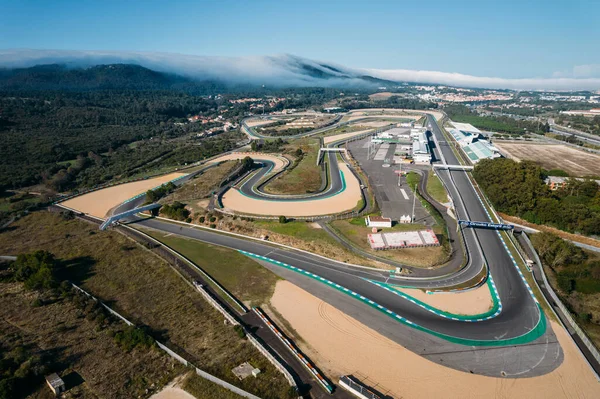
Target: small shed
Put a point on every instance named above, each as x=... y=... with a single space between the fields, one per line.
x=56 y=384
x=378 y=221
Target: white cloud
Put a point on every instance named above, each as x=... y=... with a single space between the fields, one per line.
x=289 y=70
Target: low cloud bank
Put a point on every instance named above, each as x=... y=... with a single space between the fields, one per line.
x=287 y=70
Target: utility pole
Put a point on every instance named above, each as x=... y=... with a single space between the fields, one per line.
x=400 y=176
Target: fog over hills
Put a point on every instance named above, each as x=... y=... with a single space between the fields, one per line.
x=281 y=70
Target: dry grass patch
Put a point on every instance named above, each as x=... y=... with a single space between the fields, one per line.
x=145 y=289
x=304 y=175
x=553 y=156
x=83 y=354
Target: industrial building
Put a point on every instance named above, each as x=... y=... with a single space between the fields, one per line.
x=420 y=149
x=392 y=136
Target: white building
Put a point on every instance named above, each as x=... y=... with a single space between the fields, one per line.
x=378 y=221
x=420 y=150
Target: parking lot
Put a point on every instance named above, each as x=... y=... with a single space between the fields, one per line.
x=395 y=197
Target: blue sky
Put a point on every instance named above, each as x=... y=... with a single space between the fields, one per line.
x=510 y=39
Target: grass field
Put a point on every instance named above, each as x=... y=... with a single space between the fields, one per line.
x=355 y=230
x=301 y=235
x=240 y=275
x=144 y=288
x=436 y=189
x=553 y=156
x=305 y=176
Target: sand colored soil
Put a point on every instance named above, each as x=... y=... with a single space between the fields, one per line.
x=382 y=95
x=280 y=162
x=331 y=139
x=98 y=203
x=395 y=112
x=259 y=122
x=233 y=200
x=172 y=393
x=471 y=302
x=374 y=123
x=552 y=156
x=381 y=116
x=340 y=345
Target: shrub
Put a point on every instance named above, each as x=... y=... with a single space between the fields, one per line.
x=240 y=331
x=212 y=219
x=282 y=219
x=132 y=337
x=213 y=226
x=201 y=219
x=36 y=270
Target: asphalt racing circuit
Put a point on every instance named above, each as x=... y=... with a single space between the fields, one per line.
x=512 y=339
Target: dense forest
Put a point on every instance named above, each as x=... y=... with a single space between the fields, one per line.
x=84 y=138
x=518 y=188
x=576 y=272
x=363 y=101
x=503 y=124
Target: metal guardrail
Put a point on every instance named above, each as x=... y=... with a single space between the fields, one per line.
x=292 y=348
x=357 y=389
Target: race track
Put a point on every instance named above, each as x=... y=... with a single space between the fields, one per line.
x=512 y=340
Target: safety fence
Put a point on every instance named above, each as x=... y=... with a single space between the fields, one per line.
x=174 y=355
x=295 y=351
x=215 y=304
x=567 y=314
x=356 y=388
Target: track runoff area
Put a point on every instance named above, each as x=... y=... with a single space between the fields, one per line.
x=516 y=323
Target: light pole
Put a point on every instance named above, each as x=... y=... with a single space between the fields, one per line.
x=413 y=207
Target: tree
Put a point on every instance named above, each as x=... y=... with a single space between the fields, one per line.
x=36 y=270
x=247 y=163
x=282 y=219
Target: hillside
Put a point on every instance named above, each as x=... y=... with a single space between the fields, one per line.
x=99 y=77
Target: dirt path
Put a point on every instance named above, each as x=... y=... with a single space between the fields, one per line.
x=233 y=200
x=173 y=391
x=327 y=334
x=98 y=203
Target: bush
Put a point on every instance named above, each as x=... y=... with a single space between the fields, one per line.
x=213 y=226
x=201 y=219
x=36 y=270
x=240 y=331
x=176 y=211
x=212 y=219
x=282 y=219
x=37 y=303
x=132 y=337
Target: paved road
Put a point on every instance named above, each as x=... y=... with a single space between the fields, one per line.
x=520 y=313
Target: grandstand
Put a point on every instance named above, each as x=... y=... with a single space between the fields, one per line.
x=473 y=143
